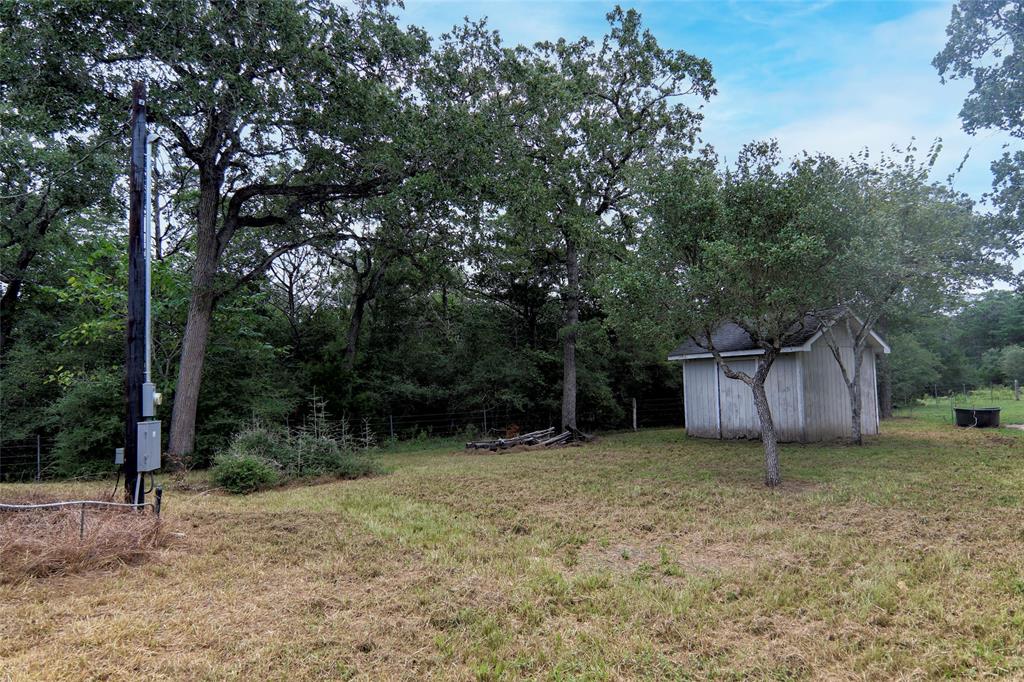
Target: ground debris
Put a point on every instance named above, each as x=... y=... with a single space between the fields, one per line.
x=545 y=438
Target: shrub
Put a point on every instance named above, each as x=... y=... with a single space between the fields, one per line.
x=242 y=474
x=314 y=456
x=262 y=442
x=260 y=457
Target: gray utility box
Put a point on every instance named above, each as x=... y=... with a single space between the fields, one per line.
x=118 y=455
x=149 y=446
x=148 y=399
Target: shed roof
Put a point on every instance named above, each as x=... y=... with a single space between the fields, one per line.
x=730 y=339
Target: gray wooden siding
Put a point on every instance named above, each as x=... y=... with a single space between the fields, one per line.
x=701 y=398
x=826 y=398
x=869 y=394
x=783 y=389
x=739 y=416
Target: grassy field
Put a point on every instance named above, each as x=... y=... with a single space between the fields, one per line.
x=640 y=556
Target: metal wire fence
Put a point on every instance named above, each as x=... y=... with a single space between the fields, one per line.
x=34 y=458
x=27 y=459
x=959 y=395
x=642 y=413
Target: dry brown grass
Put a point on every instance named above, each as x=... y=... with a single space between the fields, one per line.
x=643 y=556
x=40 y=543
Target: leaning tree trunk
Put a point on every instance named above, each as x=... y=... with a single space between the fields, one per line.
x=769 y=438
x=193 y=355
x=571 y=310
x=197 y=330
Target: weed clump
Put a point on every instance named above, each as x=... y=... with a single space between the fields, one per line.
x=242 y=474
x=262 y=456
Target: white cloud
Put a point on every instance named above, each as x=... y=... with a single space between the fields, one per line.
x=882 y=91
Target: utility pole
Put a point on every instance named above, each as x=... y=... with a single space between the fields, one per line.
x=135 y=343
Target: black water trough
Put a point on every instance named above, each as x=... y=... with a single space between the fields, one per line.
x=980 y=417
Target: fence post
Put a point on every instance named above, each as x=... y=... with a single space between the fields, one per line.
x=81 y=524
x=634 y=414
x=1016 y=389
x=485 y=422
x=39 y=459
x=391 y=425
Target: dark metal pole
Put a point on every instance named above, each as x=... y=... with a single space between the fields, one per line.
x=39 y=459
x=135 y=344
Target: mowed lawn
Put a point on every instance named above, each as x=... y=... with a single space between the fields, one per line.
x=639 y=556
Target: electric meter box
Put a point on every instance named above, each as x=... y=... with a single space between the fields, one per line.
x=118 y=455
x=149 y=399
x=149 y=446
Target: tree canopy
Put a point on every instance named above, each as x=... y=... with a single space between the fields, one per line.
x=436 y=234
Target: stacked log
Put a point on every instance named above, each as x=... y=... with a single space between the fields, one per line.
x=532 y=438
x=544 y=438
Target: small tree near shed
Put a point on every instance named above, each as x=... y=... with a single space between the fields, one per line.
x=914 y=242
x=753 y=246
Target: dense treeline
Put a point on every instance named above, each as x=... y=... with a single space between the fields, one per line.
x=978 y=344
x=395 y=225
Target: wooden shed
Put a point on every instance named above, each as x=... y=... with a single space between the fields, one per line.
x=808 y=397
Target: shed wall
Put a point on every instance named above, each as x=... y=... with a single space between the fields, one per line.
x=701 y=398
x=739 y=415
x=784 y=391
x=826 y=398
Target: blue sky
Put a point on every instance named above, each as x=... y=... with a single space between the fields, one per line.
x=824 y=76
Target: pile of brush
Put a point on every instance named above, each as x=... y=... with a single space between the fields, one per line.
x=544 y=438
x=45 y=542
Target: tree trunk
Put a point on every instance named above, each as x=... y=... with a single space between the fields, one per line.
x=197 y=327
x=770 y=439
x=8 y=304
x=368 y=285
x=856 y=406
x=12 y=295
x=851 y=379
x=355 y=325
x=571 y=311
